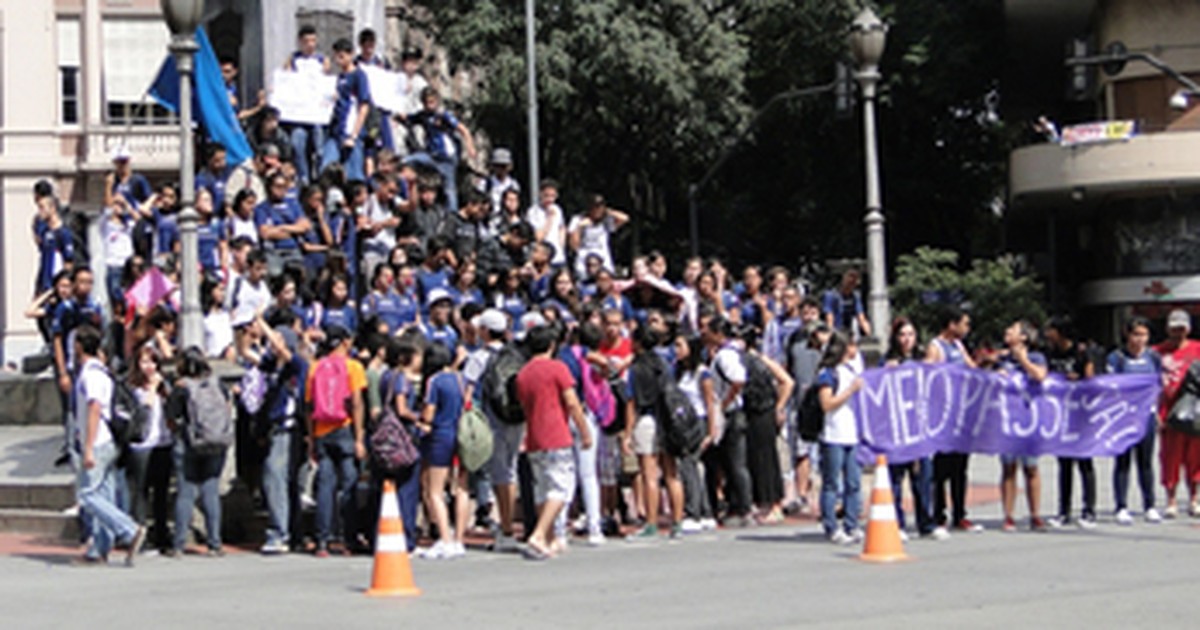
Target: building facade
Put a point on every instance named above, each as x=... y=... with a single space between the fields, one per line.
x=1113 y=226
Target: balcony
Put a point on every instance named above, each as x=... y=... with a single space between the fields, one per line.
x=1047 y=174
x=67 y=151
x=153 y=148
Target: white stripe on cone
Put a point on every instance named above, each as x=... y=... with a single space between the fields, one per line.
x=390 y=507
x=391 y=543
x=883 y=513
x=883 y=479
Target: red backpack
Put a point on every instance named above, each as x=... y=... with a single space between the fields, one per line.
x=331 y=390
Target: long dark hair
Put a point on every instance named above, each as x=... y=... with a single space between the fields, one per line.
x=138 y=378
x=893 y=352
x=695 y=356
x=835 y=350
x=192 y=363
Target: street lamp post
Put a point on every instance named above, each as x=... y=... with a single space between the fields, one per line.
x=867 y=37
x=183 y=17
x=531 y=92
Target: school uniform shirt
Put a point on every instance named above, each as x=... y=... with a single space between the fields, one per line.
x=470 y=296
x=135 y=189
x=71 y=314
x=439 y=133
x=343 y=316
x=845 y=308
x=314 y=63
x=428 y=280
x=285 y=381
x=497 y=187
x=445 y=335
x=776 y=336
x=215 y=183
x=1009 y=364
x=93 y=385
x=618 y=302
x=841 y=427
x=352 y=90
x=218 y=332
x=445 y=393
x=236 y=226
x=728 y=367
x=281 y=213
x=394 y=309
x=540 y=386
x=248 y=298
x=692 y=386
x=208 y=242
x=56 y=249
x=513 y=306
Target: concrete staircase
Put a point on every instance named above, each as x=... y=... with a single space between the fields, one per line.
x=33 y=493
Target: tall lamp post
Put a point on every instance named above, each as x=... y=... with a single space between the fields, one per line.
x=531 y=93
x=183 y=18
x=867 y=37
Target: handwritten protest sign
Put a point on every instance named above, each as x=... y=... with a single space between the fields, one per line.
x=303 y=97
x=387 y=88
x=915 y=410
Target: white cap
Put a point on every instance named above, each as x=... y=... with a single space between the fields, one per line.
x=437 y=295
x=492 y=320
x=1179 y=318
x=121 y=153
x=529 y=321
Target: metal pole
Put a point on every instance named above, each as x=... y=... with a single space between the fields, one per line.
x=878 y=309
x=693 y=220
x=531 y=64
x=191 y=331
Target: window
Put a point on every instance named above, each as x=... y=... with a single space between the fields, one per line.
x=68 y=71
x=134 y=49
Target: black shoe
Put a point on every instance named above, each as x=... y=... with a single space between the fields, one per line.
x=62 y=460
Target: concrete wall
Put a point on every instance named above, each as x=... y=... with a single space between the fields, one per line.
x=1154 y=26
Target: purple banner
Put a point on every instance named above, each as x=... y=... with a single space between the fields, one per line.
x=916 y=410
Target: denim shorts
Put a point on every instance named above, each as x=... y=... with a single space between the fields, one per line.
x=437 y=449
x=1025 y=461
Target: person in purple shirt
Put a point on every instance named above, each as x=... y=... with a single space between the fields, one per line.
x=1021 y=362
x=345 y=138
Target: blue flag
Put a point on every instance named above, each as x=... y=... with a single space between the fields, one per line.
x=210 y=102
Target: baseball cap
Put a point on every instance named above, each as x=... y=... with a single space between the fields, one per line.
x=437 y=295
x=529 y=321
x=502 y=156
x=492 y=320
x=1179 y=318
x=121 y=153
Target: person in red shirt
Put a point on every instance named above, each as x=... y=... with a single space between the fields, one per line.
x=617 y=349
x=1178 y=449
x=546 y=390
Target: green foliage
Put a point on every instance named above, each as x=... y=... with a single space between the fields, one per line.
x=991 y=290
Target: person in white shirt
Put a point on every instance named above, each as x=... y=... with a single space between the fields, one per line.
x=841 y=474
x=149 y=462
x=546 y=218
x=730 y=373
x=501 y=180
x=97 y=454
x=589 y=233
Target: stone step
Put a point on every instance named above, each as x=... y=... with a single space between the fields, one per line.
x=47 y=523
x=36 y=496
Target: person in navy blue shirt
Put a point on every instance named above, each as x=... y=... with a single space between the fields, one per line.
x=56 y=244
x=334 y=309
x=280 y=222
x=368 y=57
x=843 y=307
x=434 y=273
x=440 y=151
x=345 y=138
x=315 y=243
x=210 y=234
x=214 y=174
x=124 y=186
x=438 y=328
x=393 y=309
x=464 y=290
x=285 y=370
x=305 y=137
x=610 y=298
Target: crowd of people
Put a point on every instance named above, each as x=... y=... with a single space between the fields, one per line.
x=487 y=355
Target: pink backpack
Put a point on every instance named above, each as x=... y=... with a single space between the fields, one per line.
x=331 y=390
x=597 y=394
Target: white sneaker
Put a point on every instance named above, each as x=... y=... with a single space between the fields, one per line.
x=708 y=524
x=596 y=539
x=840 y=537
x=857 y=535
x=505 y=544
x=940 y=533
x=1086 y=522
x=455 y=550
x=1194 y=509
x=1123 y=517
x=903 y=536
x=691 y=526
x=1171 y=511
x=1057 y=522
x=437 y=551
x=1152 y=516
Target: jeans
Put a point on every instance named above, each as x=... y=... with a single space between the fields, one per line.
x=730 y=454
x=588 y=480
x=1066 y=479
x=304 y=137
x=447 y=168
x=920 y=481
x=695 y=498
x=337 y=474
x=279 y=485
x=150 y=472
x=950 y=468
x=197 y=473
x=351 y=159
x=95 y=488
x=408 y=494
x=1144 y=451
x=841 y=475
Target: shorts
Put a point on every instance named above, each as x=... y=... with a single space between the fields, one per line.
x=553 y=475
x=437 y=449
x=798 y=447
x=506 y=447
x=608 y=459
x=645 y=436
x=1025 y=461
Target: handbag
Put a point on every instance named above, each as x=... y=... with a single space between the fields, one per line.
x=1185 y=413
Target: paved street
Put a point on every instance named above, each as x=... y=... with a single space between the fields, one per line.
x=760 y=578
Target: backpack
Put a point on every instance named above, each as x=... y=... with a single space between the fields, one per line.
x=759 y=394
x=331 y=389
x=597 y=394
x=683 y=430
x=127 y=417
x=474 y=438
x=500 y=384
x=811 y=421
x=392 y=446
x=209 y=428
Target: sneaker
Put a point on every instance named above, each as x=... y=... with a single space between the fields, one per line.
x=840 y=537
x=596 y=539
x=903 y=536
x=939 y=533
x=1058 y=522
x=1171 y=511
x=1036 y=524
x=737 y=522
x=708 y=524
x=273 y=548
x=505 y=544
x=676 y=531
x=215 y=552
x=857 y=535
x=135 y=544
x=1152 y=516
x=1194 y=508
x=437 y=551
x=1123 y=517
x=647 y=532
x=966 y=525
x=1009 y=525
x=691 y=526
x=455 y=550
x=322 y=551
x=1086 y=522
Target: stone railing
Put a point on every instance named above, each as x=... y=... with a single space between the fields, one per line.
x=152 y=148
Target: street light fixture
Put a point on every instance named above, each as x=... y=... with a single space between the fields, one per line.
x=183 y=18
x=868 y=35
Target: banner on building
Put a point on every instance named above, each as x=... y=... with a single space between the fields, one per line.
x=303 y=97
x=916 y=410
x=1092 y=133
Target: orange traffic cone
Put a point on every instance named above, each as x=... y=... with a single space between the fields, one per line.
x=883 y=542
x=392 y=575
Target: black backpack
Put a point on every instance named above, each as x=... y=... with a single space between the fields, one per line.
x=499 y=384
x=683 y=429
x=759 y=394
x=811 y=420
x=127 y=417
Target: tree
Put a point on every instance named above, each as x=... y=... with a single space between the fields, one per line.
x=991 y=290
